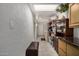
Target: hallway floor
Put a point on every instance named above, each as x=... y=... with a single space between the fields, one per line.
x=45 y=49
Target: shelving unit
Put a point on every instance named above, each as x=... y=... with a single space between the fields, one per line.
x=51 y=32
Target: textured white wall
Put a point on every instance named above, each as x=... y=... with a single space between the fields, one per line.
x=16 y=29
x=40 y=29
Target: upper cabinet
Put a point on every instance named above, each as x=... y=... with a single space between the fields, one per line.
x=73 y=15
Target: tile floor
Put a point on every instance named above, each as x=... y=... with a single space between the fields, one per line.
x=46 y=49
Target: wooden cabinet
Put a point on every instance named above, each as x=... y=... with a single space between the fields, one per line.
x=62 y=45
x=74 y=15
x=72 y=50
x=61 y=53
x=62 y=48
x=67 y=49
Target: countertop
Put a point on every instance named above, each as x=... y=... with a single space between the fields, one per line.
x=69 y=40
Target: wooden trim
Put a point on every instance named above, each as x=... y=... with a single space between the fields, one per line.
x=70 y=11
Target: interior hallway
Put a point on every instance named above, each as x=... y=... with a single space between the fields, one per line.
x=22 y=24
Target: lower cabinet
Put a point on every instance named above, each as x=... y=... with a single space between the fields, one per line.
x=67 y=49
x=61 y=52
x=61 y=48
x=72 y=50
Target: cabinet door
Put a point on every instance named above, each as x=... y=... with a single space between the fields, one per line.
x=72 y=50
x=74 y=15
x=61 y=47
x=61 y=52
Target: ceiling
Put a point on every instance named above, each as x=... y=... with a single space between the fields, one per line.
x=46 y=14
x=44 y=10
